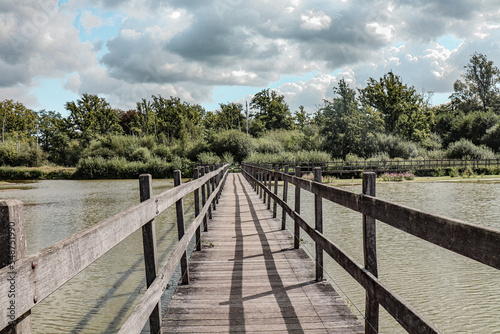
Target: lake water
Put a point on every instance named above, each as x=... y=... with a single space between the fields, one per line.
x=457 y=294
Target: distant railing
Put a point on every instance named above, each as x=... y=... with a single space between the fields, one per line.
x=475 y=242
x=26 y=280
x=396 y=165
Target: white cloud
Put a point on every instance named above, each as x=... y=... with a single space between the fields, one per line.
x=185 y=48
x=311 y=20
x=90 y=21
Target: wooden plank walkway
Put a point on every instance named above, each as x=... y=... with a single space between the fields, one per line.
x=252 y=280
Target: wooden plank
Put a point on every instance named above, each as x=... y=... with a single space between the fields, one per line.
x=254 y=281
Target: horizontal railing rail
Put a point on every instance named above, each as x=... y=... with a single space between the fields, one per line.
x=40 y=274
x=475 y=242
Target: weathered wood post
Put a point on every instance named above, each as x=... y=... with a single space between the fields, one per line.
x=264 y=182
x=212 y=183
x=149 y=246
x=203 y=200
x=269 y=182
x=179 y=209
x=275 y=204
x=12 y=249
x=296 y=227
x=285 y=197
x=370 y=256
x=207 y=170
x=261 y=179
x=318 y=219
x=196 y=175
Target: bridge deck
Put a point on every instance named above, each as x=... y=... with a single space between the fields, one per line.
x=252 y=280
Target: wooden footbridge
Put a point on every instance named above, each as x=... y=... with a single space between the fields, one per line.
x=256 y=278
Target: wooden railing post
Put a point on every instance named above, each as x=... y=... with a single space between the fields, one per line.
x=296 y=227
x=203 y=200
x=370 y=256
x=264 y=182
x=207 y=170
x=275 y=204
x=12 y=249
x=318 y=219
x=285 y=198
x=196 y=175
x=212 y=183
x=179 y=208
x=261 y=180
x=149 y=246
x=269 y=181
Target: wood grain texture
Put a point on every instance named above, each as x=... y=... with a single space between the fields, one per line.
x=252 y=280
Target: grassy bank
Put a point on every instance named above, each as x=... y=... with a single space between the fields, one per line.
x=36 y=173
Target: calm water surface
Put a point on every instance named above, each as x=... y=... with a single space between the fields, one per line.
x=457 y=294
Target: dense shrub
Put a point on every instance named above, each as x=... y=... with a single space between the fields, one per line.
x=300 y=156
x=208 y=158
x=394 y=146
x=233 y=141
x=141 y=154
x=465 y=149
x=21 y=154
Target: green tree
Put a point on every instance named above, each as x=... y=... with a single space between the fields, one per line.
x=17 y=120
x=92 y=116
x=347 y=125
x=131 y=122
x=228 y=117
x=301 y=118
x=481 y=78
x=403 y=110
x=272 y=110
x=177 y=119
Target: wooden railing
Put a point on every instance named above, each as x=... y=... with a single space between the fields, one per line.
x=475 y=242
x=397 y=165
x=32 y=278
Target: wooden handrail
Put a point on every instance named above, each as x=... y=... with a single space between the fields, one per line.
x=476 y=242
x=147 y=303
x=40 y=274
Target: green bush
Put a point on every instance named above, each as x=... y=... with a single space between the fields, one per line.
x=141 y=154
x=465 y=149
x=227 y=158
x=394 y=146
x=8 y=153
x=233 y=141
x=208 y=158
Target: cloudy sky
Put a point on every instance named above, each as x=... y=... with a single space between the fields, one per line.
x=213 y=51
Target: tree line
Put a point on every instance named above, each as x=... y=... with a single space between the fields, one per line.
x=385 y=119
